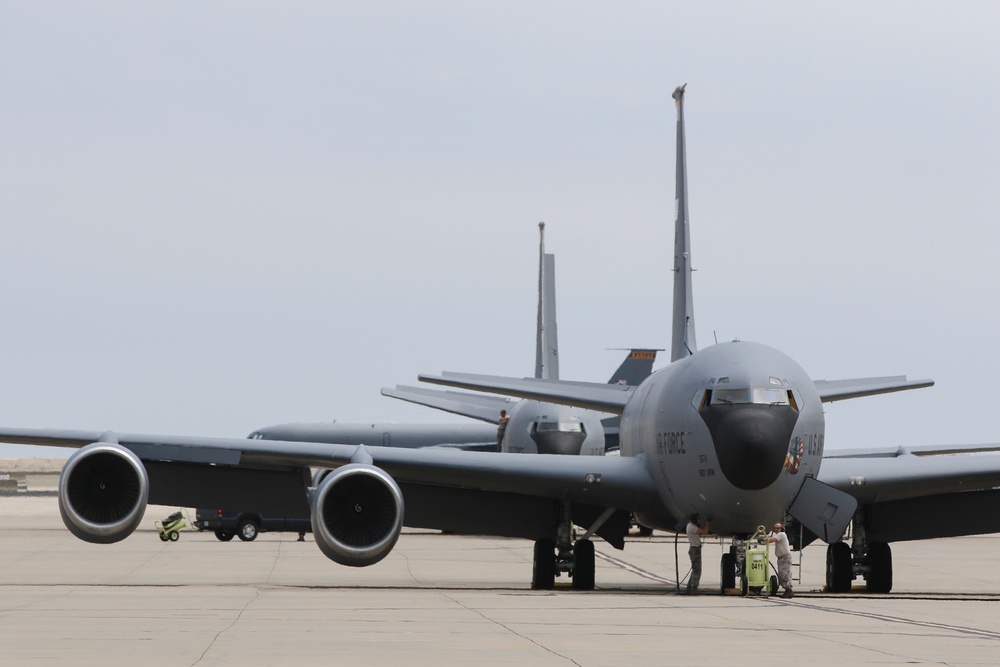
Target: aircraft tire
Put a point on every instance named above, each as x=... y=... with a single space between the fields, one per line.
x=583 y=565
x=880 y=571
x=728 y=571
x=543 y=567
x=247 y=530
x=224 y=535
x=839 y=568
x=645 y=531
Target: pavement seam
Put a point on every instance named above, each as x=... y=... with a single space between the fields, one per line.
x=961 y=629
x=511 y=630
x=256 y=594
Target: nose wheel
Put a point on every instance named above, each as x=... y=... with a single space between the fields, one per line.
x=728 y=572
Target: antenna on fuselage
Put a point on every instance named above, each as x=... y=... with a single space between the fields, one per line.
x=682 y=337
x=546 y=340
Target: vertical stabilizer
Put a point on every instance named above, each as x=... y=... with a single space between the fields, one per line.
x=682 y=338
x=638 y=366
x=546 y=342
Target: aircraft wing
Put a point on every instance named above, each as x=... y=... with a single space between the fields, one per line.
x=921 y=493
x=921 y=450
x=443 y=488
x=590 y=395
x=476 y=406
x=838 y=390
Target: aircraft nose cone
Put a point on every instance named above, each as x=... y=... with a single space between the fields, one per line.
x=558 y=442
x=750 y=441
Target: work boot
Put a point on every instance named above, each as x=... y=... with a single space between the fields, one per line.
x=787 y=593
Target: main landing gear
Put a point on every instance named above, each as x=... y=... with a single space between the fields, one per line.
x=578 y=561
x=564 y=555
x=871 y=560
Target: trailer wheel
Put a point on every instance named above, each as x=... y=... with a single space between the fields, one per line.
x=174 y=535
x=224 y=535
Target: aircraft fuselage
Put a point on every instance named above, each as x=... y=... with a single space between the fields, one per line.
x=731 y=432
x=547 y=428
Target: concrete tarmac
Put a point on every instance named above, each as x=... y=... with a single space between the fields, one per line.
x=447 y=600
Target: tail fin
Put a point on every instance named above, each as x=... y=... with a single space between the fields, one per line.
x=546 y=342
x=638 y=366
x=682 y=339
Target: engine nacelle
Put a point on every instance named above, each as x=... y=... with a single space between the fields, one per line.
x=357 y=514
x=103 y=491
x=318 y=476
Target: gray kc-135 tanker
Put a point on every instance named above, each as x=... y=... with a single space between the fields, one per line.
x=533 y=427
x=734 y=431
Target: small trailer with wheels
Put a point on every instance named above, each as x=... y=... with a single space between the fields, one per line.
x=170 y=528
x=757 y=578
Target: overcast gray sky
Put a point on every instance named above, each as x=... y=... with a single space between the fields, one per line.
x=217 y=216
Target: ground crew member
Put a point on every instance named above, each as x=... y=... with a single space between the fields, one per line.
x=501 y=427
x=694 y=533
x=783 y=552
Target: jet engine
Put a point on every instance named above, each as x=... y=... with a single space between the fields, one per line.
x=319 y=476
x=103 y=491
x=357 y=513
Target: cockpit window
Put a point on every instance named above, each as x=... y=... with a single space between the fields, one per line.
x=730 y=396
x=770 y=396
x=559 y=427
x=756 y=396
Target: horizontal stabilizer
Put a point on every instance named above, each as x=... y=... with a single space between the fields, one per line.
x=589 y=395
x=839 y=390
x=476 y=406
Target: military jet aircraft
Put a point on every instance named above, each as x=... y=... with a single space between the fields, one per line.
x=533 y=427
x=734 y=432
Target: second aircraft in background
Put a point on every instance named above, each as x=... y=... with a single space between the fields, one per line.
x=533 y=427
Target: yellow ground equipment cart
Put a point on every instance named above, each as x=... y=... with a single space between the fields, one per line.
x=171 y=527
x=757 y=578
